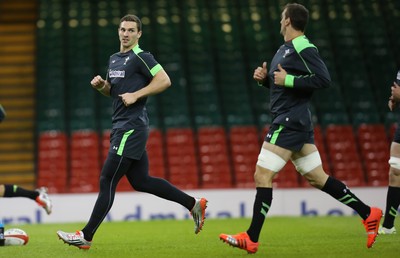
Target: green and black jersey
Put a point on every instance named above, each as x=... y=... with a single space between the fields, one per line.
x=307 y=72
x=130 y=72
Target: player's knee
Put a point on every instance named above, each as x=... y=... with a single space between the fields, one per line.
x=137 y=186
x=263 y=177
x=307 y=163
x=316 y=178
x=141 y=184
x=104 y=183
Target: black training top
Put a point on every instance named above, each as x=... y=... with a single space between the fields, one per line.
x=130 y=72
x=305 y=72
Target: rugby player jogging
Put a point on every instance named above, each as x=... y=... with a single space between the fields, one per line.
x=393 y=192
x=295 y=72
x=133 y=75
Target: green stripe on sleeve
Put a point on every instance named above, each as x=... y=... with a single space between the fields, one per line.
x=123 y=141
x=156 y=69
x=276 y=134
x=289 y=81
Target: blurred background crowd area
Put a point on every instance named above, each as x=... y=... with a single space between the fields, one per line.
x=208 y=127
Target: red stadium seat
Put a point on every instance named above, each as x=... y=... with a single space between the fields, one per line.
x=52 y=161
x=344 y=154
x=85 y=161
x=105 y=144
x=181 y=158
x=214 y=159
x=155 y=151
x=244 y=146
x=375 y=151
x=377 y=173
x=288 y=177
x=320 y=144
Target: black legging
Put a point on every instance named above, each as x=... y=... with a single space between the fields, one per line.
x=115 y=167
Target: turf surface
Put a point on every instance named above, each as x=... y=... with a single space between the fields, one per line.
x=281 y=237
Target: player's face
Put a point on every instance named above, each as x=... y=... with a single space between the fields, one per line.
x=283 y=23
x=128 y=35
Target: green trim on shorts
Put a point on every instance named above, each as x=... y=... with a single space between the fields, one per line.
x=123 y=141
x=276 y=134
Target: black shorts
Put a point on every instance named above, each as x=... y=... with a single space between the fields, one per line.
x=130 y=144
x=287 y=138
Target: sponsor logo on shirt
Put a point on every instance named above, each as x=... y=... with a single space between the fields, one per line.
x=116 y=74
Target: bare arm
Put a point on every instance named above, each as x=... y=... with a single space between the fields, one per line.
x=101 y=85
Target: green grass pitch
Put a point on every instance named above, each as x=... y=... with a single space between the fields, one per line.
x=281 y=237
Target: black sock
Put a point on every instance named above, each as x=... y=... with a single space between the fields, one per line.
x=392 y=204
x=261 y=207
x=340 y=192
x=16 y=191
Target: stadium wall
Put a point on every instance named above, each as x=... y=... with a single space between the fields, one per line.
x=233 y=203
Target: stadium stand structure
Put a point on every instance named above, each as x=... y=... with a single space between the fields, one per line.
x=209 y=49
x=17 y=92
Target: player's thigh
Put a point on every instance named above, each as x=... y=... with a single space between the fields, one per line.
x=307 y=149
x=271 y=160
x=395 y=149
x=285 y=154
x=308 y=160
x=308 y=163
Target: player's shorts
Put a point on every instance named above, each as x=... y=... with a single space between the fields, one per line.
x=287 y=138
x=130 y=144
x=396 y=137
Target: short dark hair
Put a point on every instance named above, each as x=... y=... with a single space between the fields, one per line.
x=132 y=18
x=298 y=15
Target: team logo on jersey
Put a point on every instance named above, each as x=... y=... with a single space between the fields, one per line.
x=287 y=52
x=116 y=74
x=126 y=60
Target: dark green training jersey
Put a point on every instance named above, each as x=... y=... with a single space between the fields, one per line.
x=130 y=72
x=289 y=104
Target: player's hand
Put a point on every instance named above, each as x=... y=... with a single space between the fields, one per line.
x=97 y=82
x=260 y=73
x=395 y=91
x=279 y=76
x=128 y=98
